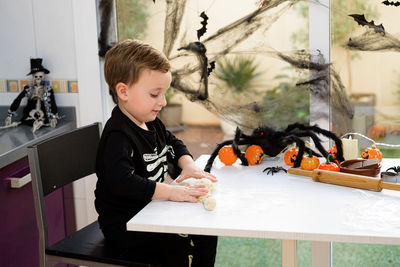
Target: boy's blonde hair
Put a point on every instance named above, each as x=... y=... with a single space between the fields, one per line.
x=126 y=60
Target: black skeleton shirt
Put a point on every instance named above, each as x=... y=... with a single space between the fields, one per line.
x=130 y=160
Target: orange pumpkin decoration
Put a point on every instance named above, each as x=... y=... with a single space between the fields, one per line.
x=290 y=156
x=372 y=153
x=333 y=152
x=309 y=163
x=227 y=156
x=377 y=132
x=254 y=154
x=328 y=165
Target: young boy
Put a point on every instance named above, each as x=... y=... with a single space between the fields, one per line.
x=134 y=155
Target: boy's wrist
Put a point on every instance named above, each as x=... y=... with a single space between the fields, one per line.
x=162 y=191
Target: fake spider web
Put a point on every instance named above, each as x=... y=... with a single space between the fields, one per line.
x=270 y=105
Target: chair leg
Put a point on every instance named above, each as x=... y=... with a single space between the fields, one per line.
x=43 y=261
x=49 y=262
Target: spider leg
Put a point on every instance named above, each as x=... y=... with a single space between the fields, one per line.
x=272 y=170
x=319 y=130
x=395 y=169
x=391 y=168
x=268 y=169
x=289 y=139
x=214 y=154
x=282 y=169
x=316 y=140
x=312 y=152
x=235 y=145
x=236 y=149
x=241 y=139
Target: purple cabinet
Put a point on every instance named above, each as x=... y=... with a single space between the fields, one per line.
x=18 y=233
x=18 y=230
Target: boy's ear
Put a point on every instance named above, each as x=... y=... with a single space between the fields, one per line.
x=122 y=91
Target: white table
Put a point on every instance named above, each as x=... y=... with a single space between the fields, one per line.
x=251 y=203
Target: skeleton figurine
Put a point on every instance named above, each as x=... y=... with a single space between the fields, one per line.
x=41 y=108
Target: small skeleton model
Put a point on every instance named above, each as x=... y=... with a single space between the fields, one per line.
x=41 y=108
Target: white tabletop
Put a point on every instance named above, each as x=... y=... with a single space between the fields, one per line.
x=251 y=203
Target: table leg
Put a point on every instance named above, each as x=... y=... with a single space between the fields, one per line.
x=320 y=254
x=289 y=253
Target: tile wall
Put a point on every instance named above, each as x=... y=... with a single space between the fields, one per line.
x=59 y=86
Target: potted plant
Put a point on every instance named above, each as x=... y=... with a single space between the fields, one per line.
x=171 y=114
x=287 y=103
x=237 y=77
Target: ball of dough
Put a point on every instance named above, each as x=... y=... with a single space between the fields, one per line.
x=209 y=185
x=209 y=203
x=190 y=181
x=202 y=198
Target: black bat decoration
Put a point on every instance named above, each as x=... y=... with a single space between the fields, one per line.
x=360 y=19
x=391 y=3
x=202 y=31
x=210 y=69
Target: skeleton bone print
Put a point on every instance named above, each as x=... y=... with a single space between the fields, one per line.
x=157 y=165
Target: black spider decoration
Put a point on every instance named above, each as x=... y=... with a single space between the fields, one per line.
x=392 y=172
x=394 y=168
x=273 y=142
x=272 y=170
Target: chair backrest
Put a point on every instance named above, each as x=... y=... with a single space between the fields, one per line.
x=58 y=161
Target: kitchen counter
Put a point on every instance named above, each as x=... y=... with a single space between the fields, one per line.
x=16 y=199
x=14 y=141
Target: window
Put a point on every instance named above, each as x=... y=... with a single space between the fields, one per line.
x=365 y=56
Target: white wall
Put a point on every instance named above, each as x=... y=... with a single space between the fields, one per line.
x=36 y=28
x=89 y=97
x=64 y=34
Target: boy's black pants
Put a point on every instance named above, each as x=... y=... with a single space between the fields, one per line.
x=173 y=250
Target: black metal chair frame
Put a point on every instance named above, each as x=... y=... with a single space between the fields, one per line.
x=54 y=163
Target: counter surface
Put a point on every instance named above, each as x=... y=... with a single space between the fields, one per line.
x=14 y=141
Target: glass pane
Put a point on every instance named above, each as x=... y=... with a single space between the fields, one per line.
x=365 y=55
x=249 y=252
x=344 y=254
x=303 y=253
x=255 y=50
x=132 y=19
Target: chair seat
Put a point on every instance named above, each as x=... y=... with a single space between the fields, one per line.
x=89 y=244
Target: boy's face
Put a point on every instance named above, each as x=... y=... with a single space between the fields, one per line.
x=144 y=99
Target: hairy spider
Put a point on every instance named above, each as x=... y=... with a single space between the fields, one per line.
x=273 y=142
x=394 y=168
x=272 y=170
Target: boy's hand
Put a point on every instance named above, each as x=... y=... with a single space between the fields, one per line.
x=190 y=170
x=187 y=193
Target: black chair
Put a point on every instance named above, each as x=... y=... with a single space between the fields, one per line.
x=57 y=162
